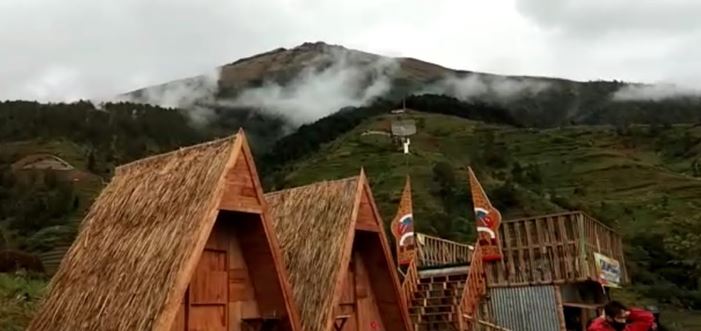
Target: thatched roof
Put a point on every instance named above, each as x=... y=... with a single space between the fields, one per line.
x=313 y=225
x=121 y=272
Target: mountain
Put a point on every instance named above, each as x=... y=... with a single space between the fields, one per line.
x=625 y=153
x=307 y=82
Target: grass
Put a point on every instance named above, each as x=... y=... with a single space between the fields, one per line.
x=586 y=157
x=19 y=298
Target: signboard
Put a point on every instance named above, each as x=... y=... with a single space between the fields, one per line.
x=608 y=270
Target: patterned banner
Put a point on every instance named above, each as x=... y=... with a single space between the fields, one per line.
x=403 y=227
x=488 y=220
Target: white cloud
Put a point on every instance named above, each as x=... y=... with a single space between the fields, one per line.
x=475 y=86
x=655 y=92
x=314 y=94
x=106 y=48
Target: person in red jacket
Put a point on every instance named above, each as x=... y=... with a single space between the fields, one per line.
x=619 y=318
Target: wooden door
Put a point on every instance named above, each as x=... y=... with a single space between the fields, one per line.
x=347 y=304
x=368 y=313
x=209 y=293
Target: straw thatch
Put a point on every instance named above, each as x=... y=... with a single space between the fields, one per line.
x=312 y=224
x=136 y=239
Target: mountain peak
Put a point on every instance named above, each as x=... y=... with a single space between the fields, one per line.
x=318 y=47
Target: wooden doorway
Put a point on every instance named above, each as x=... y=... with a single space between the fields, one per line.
x=209 y=293
x=346 y=313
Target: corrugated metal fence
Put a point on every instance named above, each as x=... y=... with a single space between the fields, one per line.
x=526 y=308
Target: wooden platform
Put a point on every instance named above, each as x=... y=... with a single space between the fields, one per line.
x=553 y=249
x=457 y=270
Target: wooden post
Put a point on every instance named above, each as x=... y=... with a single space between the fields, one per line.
x=561 y=308
x=582 y=246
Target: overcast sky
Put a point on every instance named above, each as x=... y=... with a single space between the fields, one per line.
x=66 y=49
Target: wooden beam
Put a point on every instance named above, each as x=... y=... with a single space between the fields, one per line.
x=531 y=252
x=561 y=312
x=367 y=227
x=508 y=255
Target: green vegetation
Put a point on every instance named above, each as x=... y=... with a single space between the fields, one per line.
x=19 y=298
x=637 y=181
x=644 y=180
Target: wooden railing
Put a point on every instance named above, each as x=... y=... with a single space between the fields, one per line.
x=410 y=282
x=553 y=249
x=475 y=288
x=434 y=251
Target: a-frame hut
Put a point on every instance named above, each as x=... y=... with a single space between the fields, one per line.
x=338 y=258
x=178 y=241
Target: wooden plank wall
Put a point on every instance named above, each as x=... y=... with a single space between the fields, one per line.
x=221 y=292
x=358 y=300
x=240 y=189
x=366 y=217
x=369 y=318
x=552 y=249
x=382 y=275
x=347 y=303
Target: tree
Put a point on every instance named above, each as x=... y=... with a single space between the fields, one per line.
x=517 y=172
x=683 y=241
x=444 y=175
x=91 y=161
x=505 y=196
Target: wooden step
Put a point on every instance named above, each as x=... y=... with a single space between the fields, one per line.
x=434 y=326
x=428 y=294
x=435 y=301
x=443 y=278
x=422 y=310
x=449 y=271
x=434 y=317
x=439 y=286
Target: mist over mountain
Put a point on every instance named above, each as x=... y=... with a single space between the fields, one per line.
x=313 y=80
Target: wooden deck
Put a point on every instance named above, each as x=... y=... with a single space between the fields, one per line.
x=553 y=249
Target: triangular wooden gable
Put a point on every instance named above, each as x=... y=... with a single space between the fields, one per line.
x=369 y=276
x=255 y=255
x=242 y=189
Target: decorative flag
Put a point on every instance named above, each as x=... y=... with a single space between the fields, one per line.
x=403 y=227
x=488 y=220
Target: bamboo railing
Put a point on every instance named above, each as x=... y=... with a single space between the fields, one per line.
x=410 y=282
x=475 y=288
x=434 y=251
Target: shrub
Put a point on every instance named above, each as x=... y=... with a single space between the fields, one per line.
x=14 y=260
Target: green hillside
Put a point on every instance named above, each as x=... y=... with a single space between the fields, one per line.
x=642 y=180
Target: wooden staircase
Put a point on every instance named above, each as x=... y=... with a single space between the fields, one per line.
x=449 y=298
x=434 y=304
x=446 y=297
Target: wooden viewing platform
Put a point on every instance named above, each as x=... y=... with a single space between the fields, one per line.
x=549 y=261
x=554 y=249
